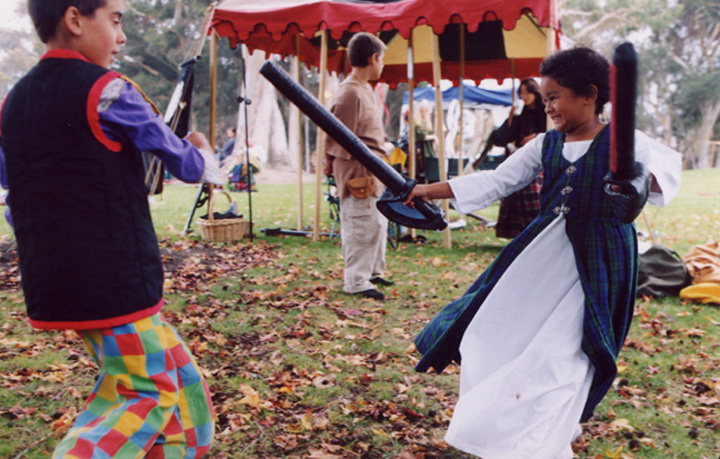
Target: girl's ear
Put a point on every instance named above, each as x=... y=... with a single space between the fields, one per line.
x=592 y=97
x=72 y=21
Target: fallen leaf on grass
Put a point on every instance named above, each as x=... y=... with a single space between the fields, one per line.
x=251 y=397
x=320 y=454
x=621 y=424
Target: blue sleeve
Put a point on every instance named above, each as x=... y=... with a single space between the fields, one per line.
x=131 y=119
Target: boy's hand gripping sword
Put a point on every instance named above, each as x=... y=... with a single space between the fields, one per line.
x=631 y=176
x=424 y=216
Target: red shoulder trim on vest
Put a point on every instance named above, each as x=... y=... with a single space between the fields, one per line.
x=63 y=54
x=92 y=111
x=96 y=324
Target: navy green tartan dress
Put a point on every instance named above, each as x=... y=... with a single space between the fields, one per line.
x=605 y=251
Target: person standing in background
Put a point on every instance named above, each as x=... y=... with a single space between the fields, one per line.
x=520 y=208
x=363 y=229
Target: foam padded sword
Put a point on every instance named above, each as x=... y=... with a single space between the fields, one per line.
x=623 y=82
x=424 y=216
x=632 y=178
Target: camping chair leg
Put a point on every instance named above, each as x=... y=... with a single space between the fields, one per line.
x=333 y=234
x=202 y=197
x=393 y=234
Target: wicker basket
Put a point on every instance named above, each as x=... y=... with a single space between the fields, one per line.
x=226 y=230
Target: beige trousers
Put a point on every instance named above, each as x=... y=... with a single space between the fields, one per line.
x=363 y=231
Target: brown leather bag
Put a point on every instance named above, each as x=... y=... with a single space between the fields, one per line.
x=362 y=187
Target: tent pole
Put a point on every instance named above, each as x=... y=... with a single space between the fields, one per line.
x=412 y=169
x=462 y=99
x=512 y=76
x=213 y=87
x=320 y=144
x=298 y=126
x=213 y=98
x=435 y=44
x=551 y=47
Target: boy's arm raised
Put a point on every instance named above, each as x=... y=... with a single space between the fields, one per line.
x=131 y=119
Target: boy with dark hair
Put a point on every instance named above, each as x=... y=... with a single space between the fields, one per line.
x=362 y=228
x=71 y=133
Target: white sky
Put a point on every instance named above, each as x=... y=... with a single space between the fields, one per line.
x=10 y=19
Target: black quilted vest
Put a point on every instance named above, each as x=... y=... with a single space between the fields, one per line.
x=87 y=248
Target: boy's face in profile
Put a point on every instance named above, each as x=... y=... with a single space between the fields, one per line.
x=102 y=33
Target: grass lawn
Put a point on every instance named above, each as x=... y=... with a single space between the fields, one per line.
x=299 y=370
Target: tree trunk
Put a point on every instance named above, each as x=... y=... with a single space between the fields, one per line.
x=266 y=127
x=710 y=115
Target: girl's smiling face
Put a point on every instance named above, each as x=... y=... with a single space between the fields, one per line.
x=567 y=110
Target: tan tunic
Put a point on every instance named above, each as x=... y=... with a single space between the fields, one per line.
x=358 y=108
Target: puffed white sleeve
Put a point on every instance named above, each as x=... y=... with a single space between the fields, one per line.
x=480 y=189
x=665 y=165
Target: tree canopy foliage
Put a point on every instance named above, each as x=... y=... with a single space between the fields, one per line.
x=161 y=35
x=679 y=45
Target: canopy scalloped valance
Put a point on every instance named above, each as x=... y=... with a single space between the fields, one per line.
x=503 y=38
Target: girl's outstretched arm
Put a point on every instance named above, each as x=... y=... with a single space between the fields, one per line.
x=439 y=190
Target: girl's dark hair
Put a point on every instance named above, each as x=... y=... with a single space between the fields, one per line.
x=362 y=46
x=46 y=14
x=579 y=69
x=532 y=87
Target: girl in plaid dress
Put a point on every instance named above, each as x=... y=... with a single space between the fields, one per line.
x=557 y=302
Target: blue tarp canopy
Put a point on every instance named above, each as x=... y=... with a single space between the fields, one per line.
x=471 y=95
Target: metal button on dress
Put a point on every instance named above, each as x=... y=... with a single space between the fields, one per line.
x=561 y=209
x=566 y=190
x=570 y=170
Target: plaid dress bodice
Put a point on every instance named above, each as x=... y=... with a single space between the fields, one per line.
x=575 y=189
x=606 y=258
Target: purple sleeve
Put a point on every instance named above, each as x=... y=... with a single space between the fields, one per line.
x=3 y=174
x=4 y=184
x=131 y=119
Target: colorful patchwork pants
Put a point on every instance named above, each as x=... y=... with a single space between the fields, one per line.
x=150 y=399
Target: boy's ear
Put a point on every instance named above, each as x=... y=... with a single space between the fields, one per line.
x=372 y=59
x=72 y=20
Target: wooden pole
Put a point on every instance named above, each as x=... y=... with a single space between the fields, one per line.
x=213 y=97
x=412 y=168
x=435 y=42
x=462 y=99
x=320 y=145
x=512 y=77
x=551 y=47
x=213 y=87
x=298 y=126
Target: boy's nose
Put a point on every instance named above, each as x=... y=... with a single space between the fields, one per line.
x=122 y=38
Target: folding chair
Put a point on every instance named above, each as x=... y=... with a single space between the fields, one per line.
x=334 y=202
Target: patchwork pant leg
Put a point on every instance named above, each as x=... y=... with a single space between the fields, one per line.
x=190 y=431
x=147 y=385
